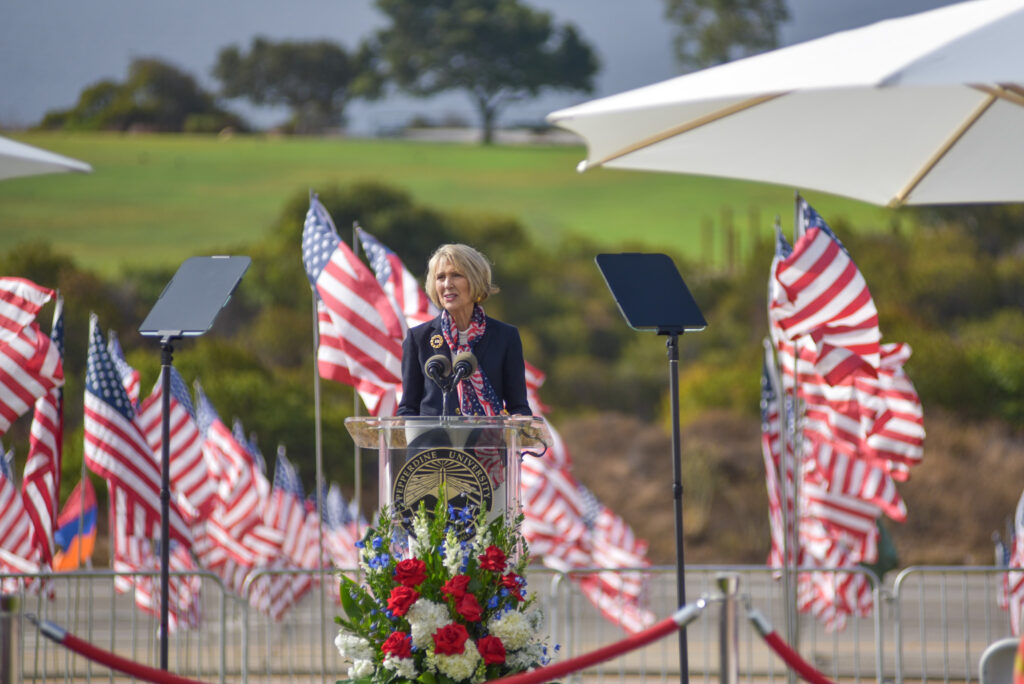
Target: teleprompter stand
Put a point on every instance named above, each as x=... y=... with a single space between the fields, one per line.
x=652 y=297
x=186 y=308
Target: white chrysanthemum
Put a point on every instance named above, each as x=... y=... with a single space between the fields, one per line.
x=512 y=628
x=535 y=616
x=482 y=539
x=460 y=666
x=352 y=646
x=360 y=669
x=525 y=657
x=403 y=667
x=425 y=617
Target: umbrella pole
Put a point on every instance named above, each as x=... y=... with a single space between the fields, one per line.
x=677 y=494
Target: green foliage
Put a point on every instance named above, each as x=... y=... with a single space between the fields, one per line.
x=709 y=32
x=316 y=80
x=497 y=51
x=156 y=97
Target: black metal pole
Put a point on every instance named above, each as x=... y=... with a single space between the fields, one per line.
x=166 y=359
x=677 y=494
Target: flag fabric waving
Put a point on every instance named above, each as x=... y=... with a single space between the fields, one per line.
x=405 y=294
x=40 y=484
x=75 y=536
x=822 y=293
x=1013 y=581
x=30 y=365
x=115 y=447
x=18 y=551
x=362 y=345
x=130 y=377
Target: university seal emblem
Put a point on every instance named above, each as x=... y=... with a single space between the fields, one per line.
x=464 y=480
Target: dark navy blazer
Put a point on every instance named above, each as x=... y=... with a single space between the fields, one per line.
x=499 y=353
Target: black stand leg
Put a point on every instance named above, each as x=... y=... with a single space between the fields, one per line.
x=677 y=495
x=166 y=359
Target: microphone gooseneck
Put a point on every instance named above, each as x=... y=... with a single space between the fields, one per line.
x=463 y=366
x=438 y=368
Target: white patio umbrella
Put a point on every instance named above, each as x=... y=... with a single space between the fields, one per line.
x=923 y=109
x=19 y=159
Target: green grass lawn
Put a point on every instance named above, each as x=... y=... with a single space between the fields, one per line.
x=157 y=199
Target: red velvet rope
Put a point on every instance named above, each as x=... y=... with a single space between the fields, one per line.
x=111 y=660
x=653 y=633
x=785 y=651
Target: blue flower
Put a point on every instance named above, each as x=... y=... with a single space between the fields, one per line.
x=493 y=602
x=558 y=647
x=503 y=592
x=377 y=543
x=360 y=544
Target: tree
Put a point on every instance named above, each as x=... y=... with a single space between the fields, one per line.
x=156 y=96
x=316 y=80
x=710 y=32
x=498 y=51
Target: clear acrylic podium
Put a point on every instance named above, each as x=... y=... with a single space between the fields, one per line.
x=477 y=459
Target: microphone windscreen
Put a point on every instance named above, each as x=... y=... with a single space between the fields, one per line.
x=466 y=358
x=438 y=364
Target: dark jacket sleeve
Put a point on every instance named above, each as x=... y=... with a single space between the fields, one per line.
x=412 y=376
x=514 y=380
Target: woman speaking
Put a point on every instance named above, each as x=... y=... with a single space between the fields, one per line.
x=458 y=282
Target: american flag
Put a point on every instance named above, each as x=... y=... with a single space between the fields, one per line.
x=30 y=366
x=18 y=551
x=360 y=333
x=41 y=482
x=115 y=447
x=1013 y=581
x=130 y=377
x=191 y=476
x=134 y=553
x=777 y=468
x=340 y=531
x=822 y=293
x=406 y=296
x=250 y=445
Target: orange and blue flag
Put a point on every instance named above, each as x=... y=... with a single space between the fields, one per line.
x=75 y=536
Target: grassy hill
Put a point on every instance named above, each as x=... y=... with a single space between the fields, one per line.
x=157 y=199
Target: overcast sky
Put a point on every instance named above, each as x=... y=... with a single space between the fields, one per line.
x=51 y=49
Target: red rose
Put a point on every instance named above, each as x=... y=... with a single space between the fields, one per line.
x=410 y=572
x=469 y=608
x=493 y=559
x=399 y=644
x=401 y=599
x=511 y=581
x=491 y=650
x=456 y=587
x=450 y=639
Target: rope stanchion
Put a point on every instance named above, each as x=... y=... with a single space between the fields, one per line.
x=806 y=671
x=85 y=649
x=680 y=619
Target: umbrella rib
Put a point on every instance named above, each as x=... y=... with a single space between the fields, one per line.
x=688 y=126
x=1011 y=93
x=902 y=195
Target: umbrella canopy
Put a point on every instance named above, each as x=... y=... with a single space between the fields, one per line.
x=919 y=110
x=19 y=159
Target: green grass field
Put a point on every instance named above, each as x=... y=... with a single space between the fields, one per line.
x=157 y=199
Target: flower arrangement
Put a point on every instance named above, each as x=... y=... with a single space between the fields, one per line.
x=443 y=605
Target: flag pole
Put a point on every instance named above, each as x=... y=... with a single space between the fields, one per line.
x=357 y=452
x=318 y=452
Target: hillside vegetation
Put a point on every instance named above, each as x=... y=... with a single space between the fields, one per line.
x=950 y=283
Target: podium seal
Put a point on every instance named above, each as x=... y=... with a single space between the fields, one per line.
x=464 y=480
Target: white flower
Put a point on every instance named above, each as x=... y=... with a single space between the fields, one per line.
x=525 y=657
x=360 y=669
x=460 y=666
x=452 y=554
x=512 y=628
x=420 y=547
x=482 y=539
x=403 y=667
x=351 y=646
x=425 y=617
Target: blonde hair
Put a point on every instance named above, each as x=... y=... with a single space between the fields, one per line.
x=466 y=261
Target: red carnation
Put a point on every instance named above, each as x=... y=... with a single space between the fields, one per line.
x=410 y=572
x=512 y=582
x=401 y=599
x=493 y=559
x=399 y=644
x=469 y=608
x=491 y=650
x=456 y=587
x=450 y=639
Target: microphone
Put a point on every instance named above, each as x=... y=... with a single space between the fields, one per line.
x=437 y=368
x=463 y=366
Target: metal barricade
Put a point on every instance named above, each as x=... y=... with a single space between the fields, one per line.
x=943 y=619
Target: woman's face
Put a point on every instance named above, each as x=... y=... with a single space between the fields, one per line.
x=452 y=289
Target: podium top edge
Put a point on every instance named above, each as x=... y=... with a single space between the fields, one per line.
x=367 y=431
